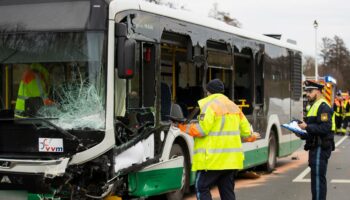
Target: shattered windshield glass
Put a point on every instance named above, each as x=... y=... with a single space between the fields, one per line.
x=56 y=75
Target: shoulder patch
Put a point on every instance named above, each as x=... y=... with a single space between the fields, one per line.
x=324 y=117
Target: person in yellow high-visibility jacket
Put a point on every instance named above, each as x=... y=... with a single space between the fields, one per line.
x=346 y=115
x=217 y=142
x=33 y=91
x=338 y=112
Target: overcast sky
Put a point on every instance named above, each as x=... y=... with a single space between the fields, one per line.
x=293 y=18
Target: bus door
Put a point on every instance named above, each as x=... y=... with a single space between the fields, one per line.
x=244 y=82
x=259 y=114
x=141 y=88
x=179 y=76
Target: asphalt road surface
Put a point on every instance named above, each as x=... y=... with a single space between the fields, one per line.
x=291 y=179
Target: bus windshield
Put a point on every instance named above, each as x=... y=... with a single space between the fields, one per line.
x=59 y=76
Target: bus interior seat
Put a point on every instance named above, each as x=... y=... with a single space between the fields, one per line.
x=176 y=111
x=165 y=101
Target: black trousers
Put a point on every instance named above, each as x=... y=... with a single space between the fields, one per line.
x=345 y=122
x=318 y=161
x=338 y=122
x=224 y=179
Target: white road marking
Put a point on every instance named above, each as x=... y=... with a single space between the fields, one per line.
x=300 y=178
x=340 y=181
x=340 y=141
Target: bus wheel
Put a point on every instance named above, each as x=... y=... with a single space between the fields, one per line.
x=177 y=150
x=272 y=151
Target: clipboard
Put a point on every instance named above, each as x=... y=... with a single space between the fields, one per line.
x=293 y=126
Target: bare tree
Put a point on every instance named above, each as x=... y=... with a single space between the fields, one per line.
x=338 y=54
x=336 y=61
x=325 y=49
x=309 y=66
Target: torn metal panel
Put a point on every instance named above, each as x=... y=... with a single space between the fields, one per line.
x=138 y=153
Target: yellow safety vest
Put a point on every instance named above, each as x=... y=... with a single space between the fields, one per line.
x=338 y=108
x=314 y=109
x=333 y=123
x=34 y=88
x=346 y=113
x=222 y=124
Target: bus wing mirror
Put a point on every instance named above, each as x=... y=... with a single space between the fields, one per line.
x=126 y=51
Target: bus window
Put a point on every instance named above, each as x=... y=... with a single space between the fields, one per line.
x=224 y=75
x=148 y=75
x=220 y=64
x=190 y=82
x=243 y=84
x=142 y=85
x=259 y=79
x=134 y=89
x=178 y=73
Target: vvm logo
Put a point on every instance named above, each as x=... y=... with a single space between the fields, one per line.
x=50 y=145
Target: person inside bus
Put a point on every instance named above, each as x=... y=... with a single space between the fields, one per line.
x=320 y=140
x=33 y=91
x=217 y=142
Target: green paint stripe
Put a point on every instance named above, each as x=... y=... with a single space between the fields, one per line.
x=149 y=183
x=259 y=156
x=255 y=157
x=288 y=148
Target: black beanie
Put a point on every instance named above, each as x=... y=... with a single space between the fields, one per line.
x=215 y=86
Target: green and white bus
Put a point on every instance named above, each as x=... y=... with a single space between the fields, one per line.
x=118 y=69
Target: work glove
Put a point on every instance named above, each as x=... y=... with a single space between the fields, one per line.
x=253 y=136
x=182 y=127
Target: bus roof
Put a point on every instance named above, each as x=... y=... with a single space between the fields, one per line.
x=123 y=5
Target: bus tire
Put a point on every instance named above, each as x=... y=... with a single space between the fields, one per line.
x=178 y=150
x=272 y=153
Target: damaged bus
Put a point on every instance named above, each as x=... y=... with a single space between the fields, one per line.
x=112 y=75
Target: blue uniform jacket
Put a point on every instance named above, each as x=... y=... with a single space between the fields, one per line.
x=320 y=125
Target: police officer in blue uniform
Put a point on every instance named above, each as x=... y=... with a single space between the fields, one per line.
x=319 y=140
